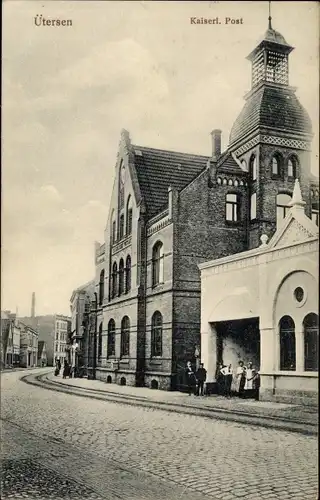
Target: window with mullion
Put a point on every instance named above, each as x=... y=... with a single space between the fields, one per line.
x=156 y=335
x=111 y=349
x=287 y=344
x=125 y=337
x=232 y=207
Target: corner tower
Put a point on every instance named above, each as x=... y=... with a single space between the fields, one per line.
x=272 y=137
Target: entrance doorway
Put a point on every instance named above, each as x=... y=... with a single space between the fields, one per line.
x=238 y=340
x=29 y=359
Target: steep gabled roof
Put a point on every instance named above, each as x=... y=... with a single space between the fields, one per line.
x=228 y=164
x=159 y=169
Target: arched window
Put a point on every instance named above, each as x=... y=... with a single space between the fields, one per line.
x=253 y=167
x=121 y=276
x=287 y=344
x=125 y=337
x=157 y=264
x=129 y=216
x=111 y=350
x=156 y=334
x=100 y=342
x=232 y=207
x=283 y=208
x=114 y=280
x=113 y=238
x=275 y=165
x=122 y=171
x=311 y=342
x=128 y=274
x=101 y=287
x=121 y=226
x=113 y=228
x=292 y=167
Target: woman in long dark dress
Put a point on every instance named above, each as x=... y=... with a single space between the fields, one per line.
x=66 y=369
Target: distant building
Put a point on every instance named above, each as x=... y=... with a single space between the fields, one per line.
x=10 y=340
x=42 y=353
x=53 y=330
x=28 y=346
x=80 y=340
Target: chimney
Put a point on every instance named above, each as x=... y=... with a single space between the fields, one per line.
x=33 y=305
x=216 y=144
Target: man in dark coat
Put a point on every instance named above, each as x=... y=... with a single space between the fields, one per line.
x=201 y=376
x=191 y=379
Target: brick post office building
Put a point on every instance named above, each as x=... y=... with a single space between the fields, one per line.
x=171 y=211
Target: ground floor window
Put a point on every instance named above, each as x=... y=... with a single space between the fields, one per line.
x=125 y=336
x=311 y=342
x=111 y=338
x=156 y=334
x=287 y=344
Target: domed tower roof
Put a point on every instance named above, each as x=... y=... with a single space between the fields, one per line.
x=271 y=103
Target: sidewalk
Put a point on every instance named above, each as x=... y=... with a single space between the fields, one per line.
x=294 y=413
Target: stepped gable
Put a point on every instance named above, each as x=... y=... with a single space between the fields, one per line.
x=273 y=107
x=159 y=169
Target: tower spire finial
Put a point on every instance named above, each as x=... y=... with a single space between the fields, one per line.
x=269 y=18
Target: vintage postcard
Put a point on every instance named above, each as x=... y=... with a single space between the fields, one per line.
x=160 y=230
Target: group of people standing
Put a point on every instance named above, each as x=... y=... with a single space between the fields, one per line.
x=196 y=379
x=67 y=369
x=243 y=382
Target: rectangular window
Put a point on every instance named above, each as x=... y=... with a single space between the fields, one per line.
x=253 y=206
x=232 y=207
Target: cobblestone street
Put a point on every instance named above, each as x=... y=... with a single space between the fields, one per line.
x=57 y=445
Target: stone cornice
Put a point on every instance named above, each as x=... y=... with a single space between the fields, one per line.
x=124 y=243
x=271 y=136
x=159 y=223
x=255 y=256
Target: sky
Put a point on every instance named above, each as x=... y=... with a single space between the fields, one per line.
x=68 y=91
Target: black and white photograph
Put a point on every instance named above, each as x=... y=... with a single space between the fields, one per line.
x=160 y=250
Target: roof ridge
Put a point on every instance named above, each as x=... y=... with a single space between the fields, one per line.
x=170 y=151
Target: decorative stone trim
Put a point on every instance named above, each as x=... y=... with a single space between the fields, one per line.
x=121 y=245
x=283 y=141
x=248 y=145
x=289 y=374
x=240 y=261
x=224 y=181
x=158 y=217
x=159 y=225
x=276 y=141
